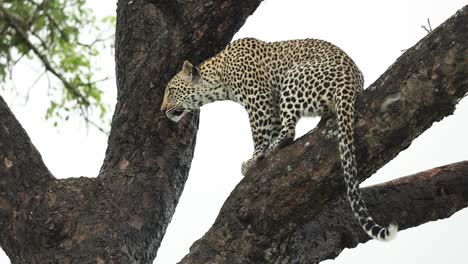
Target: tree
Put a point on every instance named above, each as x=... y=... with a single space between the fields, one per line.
x=121 y=216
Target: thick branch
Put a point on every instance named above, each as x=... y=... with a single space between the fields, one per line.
x=413 y=200
x=286 y=191
x=21 y=165
x=22 y=174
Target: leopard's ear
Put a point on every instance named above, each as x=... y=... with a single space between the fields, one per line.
x=187 y=68
x=191 y=72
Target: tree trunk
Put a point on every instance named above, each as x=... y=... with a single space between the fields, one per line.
x=266 y=216
x=120 y=216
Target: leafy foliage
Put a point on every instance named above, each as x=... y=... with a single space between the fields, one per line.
x=49 y=31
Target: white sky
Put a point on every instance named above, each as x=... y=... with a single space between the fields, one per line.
x=373 y=33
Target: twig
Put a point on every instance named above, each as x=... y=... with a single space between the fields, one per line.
x=98 y=127
x=97 y=40
x=429 y=28
x=43 y=44
x=26 y=99
x=84 y=114
x=98 y=81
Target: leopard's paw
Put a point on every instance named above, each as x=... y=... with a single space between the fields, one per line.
x=246 y=166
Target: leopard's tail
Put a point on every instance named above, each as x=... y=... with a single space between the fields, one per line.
x=345 y=116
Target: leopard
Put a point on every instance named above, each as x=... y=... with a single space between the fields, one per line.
x=278 y=83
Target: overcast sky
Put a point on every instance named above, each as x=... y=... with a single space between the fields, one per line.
x=372 y=32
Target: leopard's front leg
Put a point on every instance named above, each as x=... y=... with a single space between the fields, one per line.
x=289 y=117
x=264 y=123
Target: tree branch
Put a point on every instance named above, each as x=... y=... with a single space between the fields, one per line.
x=21 y=164
x=416 y=199
x=23 y=175
x=413 y=200
x=289 y=189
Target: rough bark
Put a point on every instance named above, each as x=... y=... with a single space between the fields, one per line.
x=260 y=221
x=426 y=196
x=413 y=200
x=120 y=216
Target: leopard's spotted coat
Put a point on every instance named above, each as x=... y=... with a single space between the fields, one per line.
x=278 y=83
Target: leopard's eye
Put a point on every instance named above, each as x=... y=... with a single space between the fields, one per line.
x=172 y=94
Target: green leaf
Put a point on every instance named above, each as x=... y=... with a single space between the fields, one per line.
x=55 y=31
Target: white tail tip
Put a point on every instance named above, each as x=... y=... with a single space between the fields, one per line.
x=392 y=232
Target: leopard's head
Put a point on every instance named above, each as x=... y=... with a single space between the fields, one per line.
x=181 y=92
